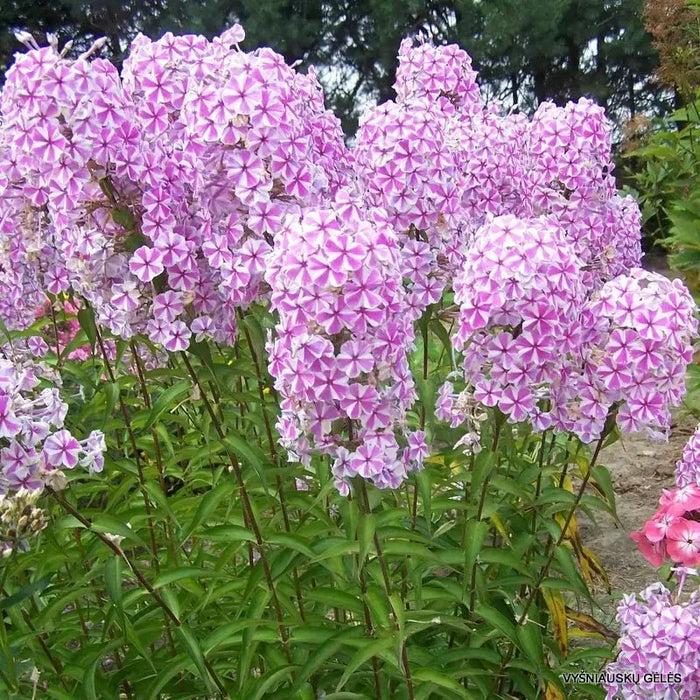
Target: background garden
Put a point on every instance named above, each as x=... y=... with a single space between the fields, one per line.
x=342 y=355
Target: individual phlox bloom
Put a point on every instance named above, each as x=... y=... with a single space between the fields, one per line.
x=61 y=449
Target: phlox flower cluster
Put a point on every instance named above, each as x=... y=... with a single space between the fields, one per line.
x=408 y=162
x=203 y=178
x=34 y=444
x=660 y=640
x=339 y=358
x=441 y=163
x=673 y=531
x=519 y=292
x=688 y=467
x=643 y=329
x=543 y=347
x=568 y=161
x=155 y=194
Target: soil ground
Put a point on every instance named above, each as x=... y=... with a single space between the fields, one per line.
x=640 y=469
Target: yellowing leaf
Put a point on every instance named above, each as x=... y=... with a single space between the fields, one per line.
x=498 y=524
x=595 y=567
x=557 y=612
x=551 y=692
x=586 y=623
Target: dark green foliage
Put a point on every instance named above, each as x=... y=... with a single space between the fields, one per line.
x=155 y=579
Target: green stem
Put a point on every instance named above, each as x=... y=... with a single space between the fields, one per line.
x=480 y=512
x=137 y=458
x=363 y=500
x=370 y=630
x=248 y=511
x=274 y=457
x=167 y=610
x=552 y=550
x=156 y=448
x=538 y=483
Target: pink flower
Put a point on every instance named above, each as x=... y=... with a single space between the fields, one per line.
x=355 y=358
x=9 y=425
x=358 y=401
x=674 y=530
x=367 y=460
x=517 y=402
x=176 y=336
x=683 y=542
x=146 y=263
x=61 y=450
x=653 y=552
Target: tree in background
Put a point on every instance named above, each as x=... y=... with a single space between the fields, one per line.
x=535 y=50
x=662 y=157
x=526 y=51
x=675 y=28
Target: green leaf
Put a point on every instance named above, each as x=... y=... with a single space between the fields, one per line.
x=26 y=591
x=89 y=680
x=498 y=621
x=227 y=533
x=423 y=479
x=207 y=506
x=86 y=319
x=133 y=637
x=228 y=631
x=530 y=641
x=194 y=652
x=181 y=663
x=439 y=679
x=110 y=525
x=397 y=606
x=568 y=568
x=491 y=555
x=483 y=465
x=291 y=541
x=184 y=572
x=122 y=215
x=322 y=652
x=244 y=452
x=111 y=390
x=167 y=400
x=113 y=579
x=602 y=482
x=203 y=352
x=334 y=598
x=475 y=533
x=363 y=655
x=271 y=679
